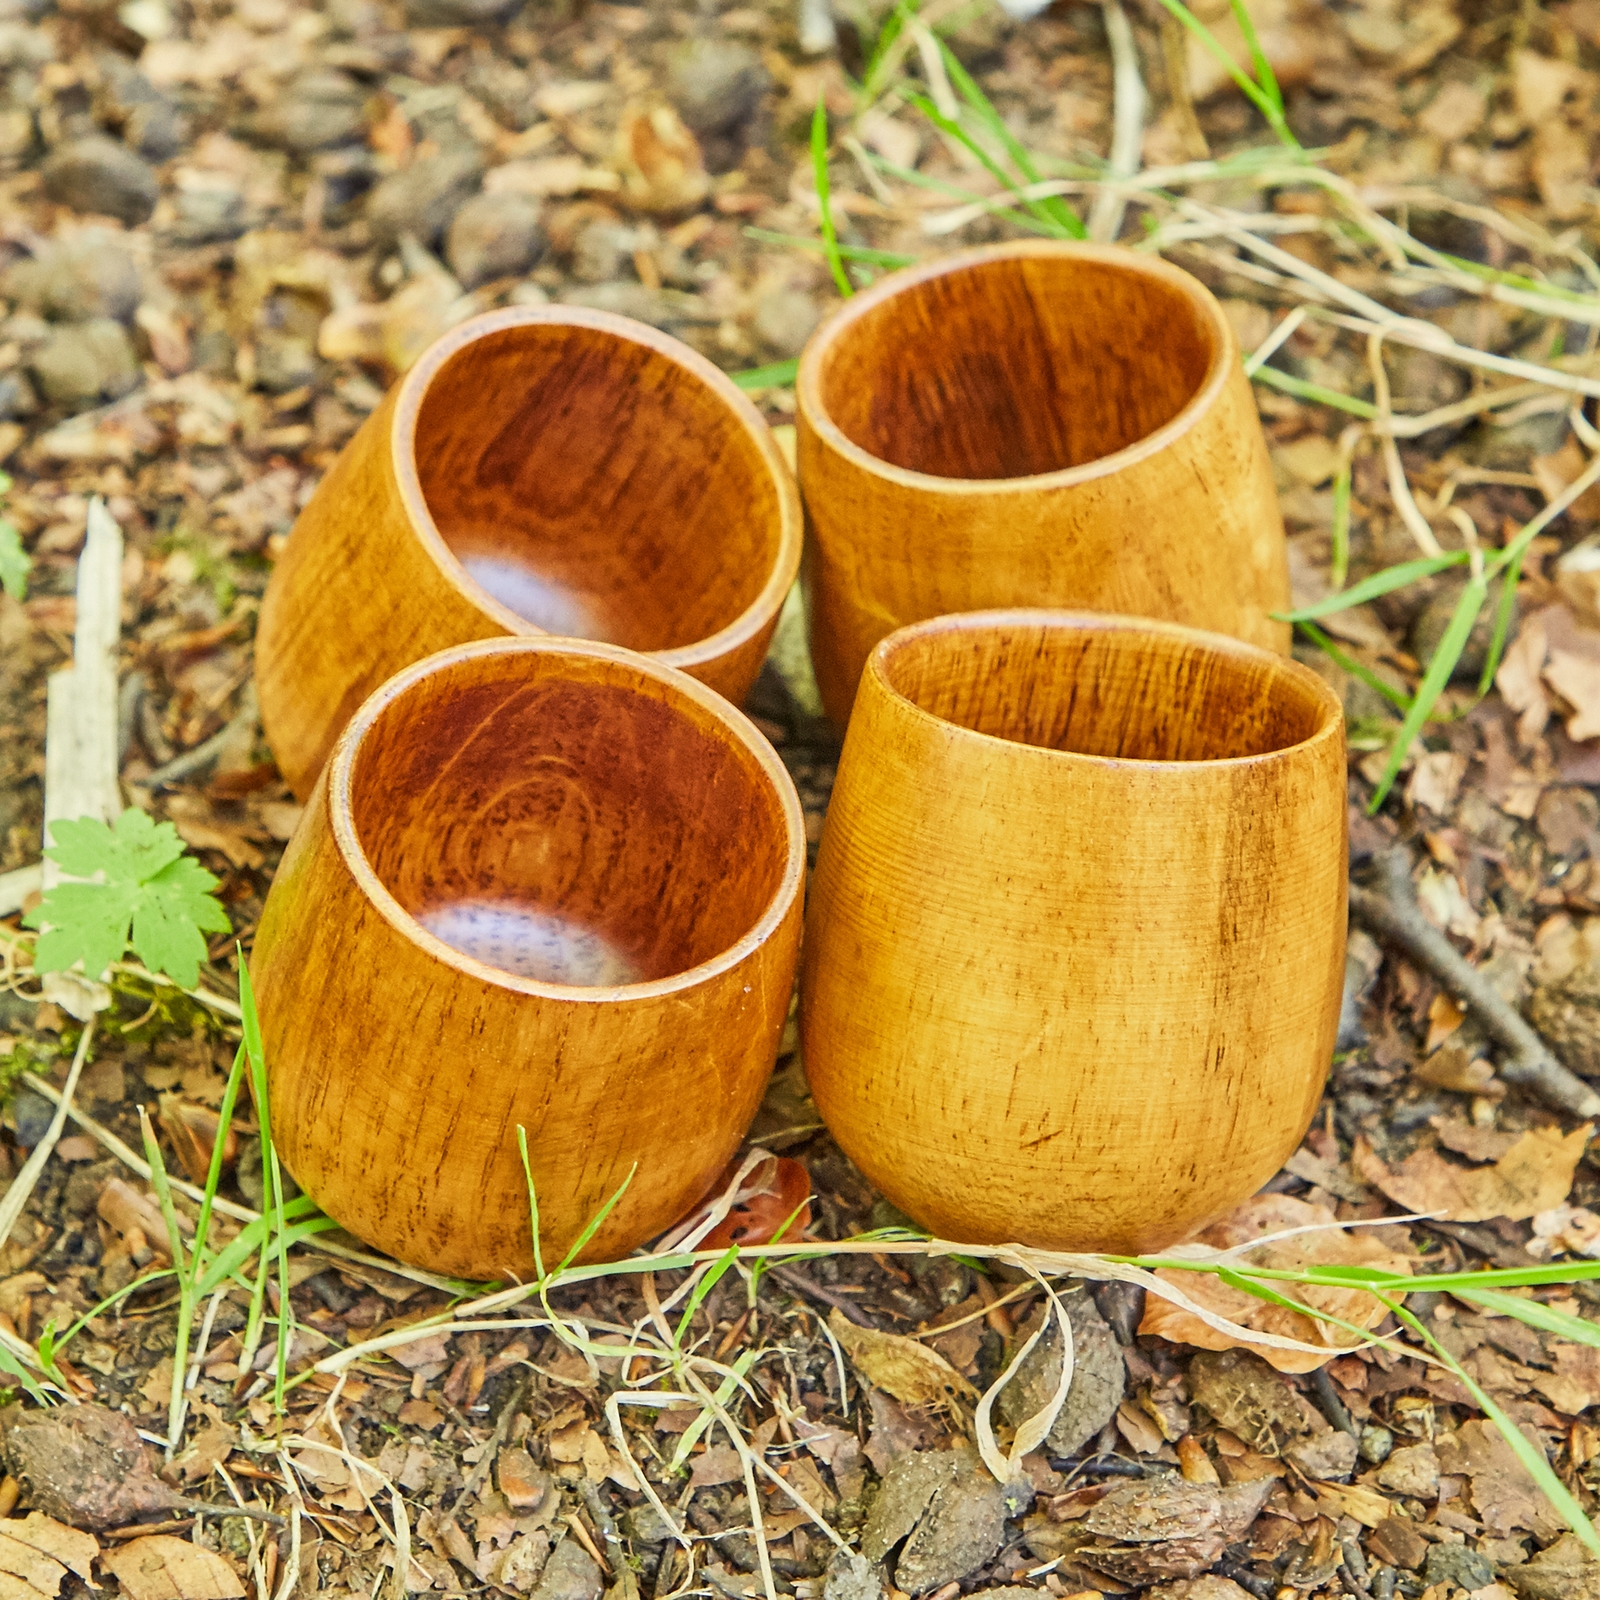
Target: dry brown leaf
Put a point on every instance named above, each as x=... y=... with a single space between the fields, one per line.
x=1436 y=780
x=1574 y=1386
x=1267 y=1214
x=1554 y=473
x=26 y=1572
x=72 y=1547
x=1366 y=1506
x=901 y=1367
x=1520 y=678
x=160 y=1567
x=1534 y=1175
x=659 y=160
x=719 y=1464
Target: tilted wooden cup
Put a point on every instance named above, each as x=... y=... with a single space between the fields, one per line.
x=1032 y=424
x=539 y=470
x=541 y=883
x=1075 y=945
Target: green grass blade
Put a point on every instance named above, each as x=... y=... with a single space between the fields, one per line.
x=1269 y=104
x=595 y=1221
x=11 y=1366
x=819 y=168
x=1502 y=623
x=240 y=1249
x=533 y=1201
x=779 y=375
x=709 y=1282
x=1339 y=567
x=1265 y=76
x=185 y=1266
x=50 y=1346
x=1535 y=1313
x=1276 y=378
x=1039 y=223
x=1051 y=209
x=847 y=252
x=230 y=1097
x=1252 y=90
x=1433 y=683
x=877 y=63
x=725 y=1392
x=1396 y=577
x=1356 y=669
x=1525 y=1451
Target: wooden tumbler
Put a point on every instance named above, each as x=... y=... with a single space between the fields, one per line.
x=1032 y=424
x=541 y=883
x=539 y=470
x=1072 y=968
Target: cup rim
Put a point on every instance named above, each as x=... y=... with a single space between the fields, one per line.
x=413 y=387
x=1107 y=622
x=341 y=814
x=808 y=380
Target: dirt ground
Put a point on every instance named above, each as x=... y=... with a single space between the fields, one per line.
x=225 y=228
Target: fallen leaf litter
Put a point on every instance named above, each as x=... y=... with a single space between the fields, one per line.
x=211 y=281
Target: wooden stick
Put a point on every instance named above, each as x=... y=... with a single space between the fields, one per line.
x=1391 y=912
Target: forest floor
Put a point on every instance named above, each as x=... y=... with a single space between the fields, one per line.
x=225 y=227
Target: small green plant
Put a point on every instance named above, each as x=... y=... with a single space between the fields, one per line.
x=15 y=562
x=150 y=893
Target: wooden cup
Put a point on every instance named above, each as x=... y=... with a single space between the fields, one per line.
x=546 y=883
x=1032 y=424
x=539 y=470
x=1073 y=962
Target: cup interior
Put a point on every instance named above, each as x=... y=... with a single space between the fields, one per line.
x=596 y=486
x=568 y=818
x=1013 y=366
x=1102 y=686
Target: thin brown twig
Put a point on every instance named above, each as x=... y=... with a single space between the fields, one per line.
x=1392 y=913
x=801 y=1284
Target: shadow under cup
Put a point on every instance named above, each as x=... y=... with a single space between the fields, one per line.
x=544 y=887
x=1075 y=942
x=579 y=830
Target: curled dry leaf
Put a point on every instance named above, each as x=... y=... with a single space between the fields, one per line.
x=904 y=1369
x=1331 y=1244
x=160 y=1567
x=659 y=161
x=1534 y=1175
x=193 y=1131
x=777 y=1190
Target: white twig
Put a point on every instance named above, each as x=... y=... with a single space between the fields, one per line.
x=1273 y=342
x=1399 y=489
x=23 y=1185
x=1127 y=122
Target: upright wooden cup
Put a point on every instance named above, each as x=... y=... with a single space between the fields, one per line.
x=1032 y=424
x=1072 y=968
x=541 y=883
x=539 y=470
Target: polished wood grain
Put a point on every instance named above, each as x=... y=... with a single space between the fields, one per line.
x=539 y=470
x=1075 y=945
x=1032 y=424
x=541 y=883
